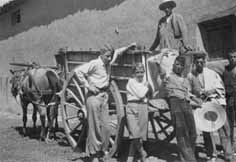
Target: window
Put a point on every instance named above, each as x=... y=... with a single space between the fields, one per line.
x=15 y=17
x=218 y=36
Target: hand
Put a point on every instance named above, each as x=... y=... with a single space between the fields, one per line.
x=208 y=93
x=93 y=89
x=132 y=45
x=188 y=47
x=146 y=84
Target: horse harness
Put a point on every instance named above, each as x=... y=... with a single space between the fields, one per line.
x=37 y=91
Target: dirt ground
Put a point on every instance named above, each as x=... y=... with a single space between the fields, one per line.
x=16 y=148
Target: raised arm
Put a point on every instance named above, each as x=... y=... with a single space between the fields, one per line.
x=122 y=50
x=157 y=38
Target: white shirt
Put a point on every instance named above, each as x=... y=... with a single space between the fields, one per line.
x=209 y=80
x=95 y=72
x=136 y=90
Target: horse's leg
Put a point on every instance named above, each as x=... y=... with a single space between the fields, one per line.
x=52 y=116
x=49 y=123
x=56 y=119
x=24 y=110
x=42 y=113
x=34 y=116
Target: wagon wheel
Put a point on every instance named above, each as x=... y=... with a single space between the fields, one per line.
x=74 y=114
x=162 y=126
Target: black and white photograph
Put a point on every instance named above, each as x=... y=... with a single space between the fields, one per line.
x=117 y=80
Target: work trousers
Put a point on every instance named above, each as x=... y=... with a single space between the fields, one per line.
x=231 y=107
x=224 y=134
x=183 y=120
x=98 y=123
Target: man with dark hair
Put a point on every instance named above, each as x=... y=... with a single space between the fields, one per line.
x=95 y=76
x=176 y=87
x=207 y=85
x=229 y=77
x=171 y=30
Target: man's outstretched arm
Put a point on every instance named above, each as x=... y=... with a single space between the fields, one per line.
x=122 y=50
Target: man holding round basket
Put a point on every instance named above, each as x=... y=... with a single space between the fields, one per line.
x=208 y=87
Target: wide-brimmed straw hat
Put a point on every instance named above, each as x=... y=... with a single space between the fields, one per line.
x=210 y=117
x=167 y=3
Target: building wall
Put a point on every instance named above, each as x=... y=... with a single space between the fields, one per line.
x=82 y=24
x=43 y=12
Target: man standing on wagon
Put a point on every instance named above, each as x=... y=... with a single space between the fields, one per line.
x=95 y=76
x=207 y=85
x=171 y=29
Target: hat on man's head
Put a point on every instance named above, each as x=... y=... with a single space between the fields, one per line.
x=167 y=3
x=197 y=54
x=210 y=117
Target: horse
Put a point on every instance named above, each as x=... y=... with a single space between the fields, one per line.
x=39 y=87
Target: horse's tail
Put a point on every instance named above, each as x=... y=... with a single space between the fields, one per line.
x=54 y=81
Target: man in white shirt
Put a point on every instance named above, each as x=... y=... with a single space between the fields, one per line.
x=207 y=85
x=95 y=76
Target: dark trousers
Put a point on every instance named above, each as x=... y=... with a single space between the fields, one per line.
x=224 y=134
x=231 y=116
x=183 y=120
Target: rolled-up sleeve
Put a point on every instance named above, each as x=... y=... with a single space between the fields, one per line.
x=83 y=71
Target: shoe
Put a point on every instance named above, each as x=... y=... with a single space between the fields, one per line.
x=94 y=159
x=143 y=156
x=130 y=159
x=211 y=159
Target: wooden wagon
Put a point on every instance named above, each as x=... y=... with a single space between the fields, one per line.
x=73 y=109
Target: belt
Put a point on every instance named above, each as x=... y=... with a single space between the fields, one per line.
x=136 y=101
x=104 y=89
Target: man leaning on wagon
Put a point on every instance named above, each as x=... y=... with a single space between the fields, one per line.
x=95 y=76
x=207 y=85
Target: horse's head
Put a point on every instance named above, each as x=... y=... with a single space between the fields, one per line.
x=16 y=79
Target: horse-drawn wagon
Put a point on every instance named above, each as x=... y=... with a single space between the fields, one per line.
x=73 y=108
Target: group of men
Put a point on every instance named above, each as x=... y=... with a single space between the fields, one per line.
x=184 y=94
x=201 y=85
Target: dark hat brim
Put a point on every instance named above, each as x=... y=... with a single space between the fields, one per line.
x=163 y=5
x=197 y=54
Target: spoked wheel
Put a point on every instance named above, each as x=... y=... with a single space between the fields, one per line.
x=161 y=124
x=74 y=114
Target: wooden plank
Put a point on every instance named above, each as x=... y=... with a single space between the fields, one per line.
x=82 y=56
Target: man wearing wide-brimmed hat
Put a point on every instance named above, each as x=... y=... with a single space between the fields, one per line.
x=171 y=30
x=208 y=86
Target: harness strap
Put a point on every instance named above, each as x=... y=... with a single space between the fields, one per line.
x=34 y=83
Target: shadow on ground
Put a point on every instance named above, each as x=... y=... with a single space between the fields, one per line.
x=164 y=151
x=34 y=133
